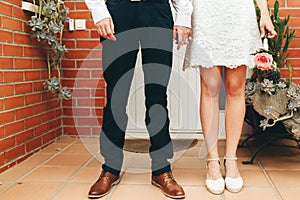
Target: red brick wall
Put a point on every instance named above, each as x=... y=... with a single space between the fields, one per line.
x=292 y=8
x=30 y=118
x=82 y=72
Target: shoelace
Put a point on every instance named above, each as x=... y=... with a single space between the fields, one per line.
x=104 y=174
x=168 y=175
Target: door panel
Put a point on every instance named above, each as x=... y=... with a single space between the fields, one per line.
x=183 y=98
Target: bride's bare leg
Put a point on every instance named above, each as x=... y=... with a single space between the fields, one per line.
x=234 y=115
x=209 y=114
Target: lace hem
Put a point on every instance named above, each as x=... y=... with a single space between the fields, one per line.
x=227 y=66
x=219 y=42
x=196 y=64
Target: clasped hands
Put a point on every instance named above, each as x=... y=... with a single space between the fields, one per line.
x=181 y=34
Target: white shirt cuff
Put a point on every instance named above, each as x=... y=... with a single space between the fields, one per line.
x=99 y=14
x=183 y=20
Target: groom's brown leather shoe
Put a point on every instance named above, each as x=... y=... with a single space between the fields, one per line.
x=103 y=185
x=168 y=185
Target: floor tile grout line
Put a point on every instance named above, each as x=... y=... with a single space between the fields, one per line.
x=109 y=196
x=222 y=197
x=111 y=192
x=114 y=188
x=30 y=171
x=75 y=173
x=273 y=186
x=70 y=178
x=266 y=174
x=261 y=166
x=6 y=188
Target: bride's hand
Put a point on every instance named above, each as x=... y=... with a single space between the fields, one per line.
x=266 y=24
x=182 y=35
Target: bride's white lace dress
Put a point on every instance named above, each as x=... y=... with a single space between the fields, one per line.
x=225 y=33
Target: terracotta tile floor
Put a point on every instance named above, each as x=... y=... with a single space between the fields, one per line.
x=66 y=169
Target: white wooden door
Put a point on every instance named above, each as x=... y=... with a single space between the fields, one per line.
x=183 y=99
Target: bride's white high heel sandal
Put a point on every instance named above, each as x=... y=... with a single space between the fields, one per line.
x=233 y=185
x=215 y=186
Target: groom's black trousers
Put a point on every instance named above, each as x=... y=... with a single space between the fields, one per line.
x=147 y=25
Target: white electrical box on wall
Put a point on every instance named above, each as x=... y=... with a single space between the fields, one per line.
x=80 y=24
x=71 y=24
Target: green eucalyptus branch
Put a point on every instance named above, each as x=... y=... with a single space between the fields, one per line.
x=47 y=26
x=284 y=37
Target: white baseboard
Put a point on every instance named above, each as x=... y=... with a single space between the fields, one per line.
x=181 y=135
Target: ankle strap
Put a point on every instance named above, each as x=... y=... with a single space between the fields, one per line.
x=212 y=159
x=230 y=158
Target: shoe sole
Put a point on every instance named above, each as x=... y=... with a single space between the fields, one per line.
x=214 y=191
x=234 y=190
x=173 y=197
x=102 y=195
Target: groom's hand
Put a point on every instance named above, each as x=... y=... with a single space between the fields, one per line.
x=182 y=35
x=106 y=29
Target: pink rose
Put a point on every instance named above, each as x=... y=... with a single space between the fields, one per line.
x=263 y=61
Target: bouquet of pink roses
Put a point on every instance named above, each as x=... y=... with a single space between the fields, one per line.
x=265 y=67
x=264 y=61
